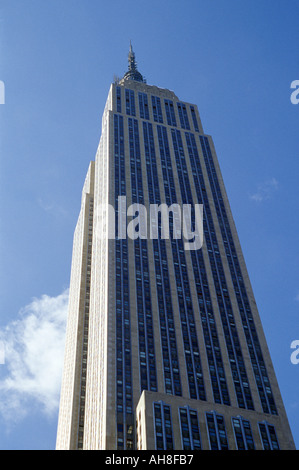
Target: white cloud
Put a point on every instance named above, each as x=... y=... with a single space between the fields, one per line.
x=34 y=347
x=265 y=190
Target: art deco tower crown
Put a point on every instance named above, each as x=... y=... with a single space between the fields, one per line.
x=133 y=73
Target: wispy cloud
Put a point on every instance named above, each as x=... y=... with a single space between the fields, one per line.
x=52 y=208
x=34 y=345
x=265 y=190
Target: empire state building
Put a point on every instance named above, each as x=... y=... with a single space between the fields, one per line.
x=164 y=345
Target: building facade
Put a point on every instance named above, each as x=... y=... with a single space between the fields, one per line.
x=164 y=345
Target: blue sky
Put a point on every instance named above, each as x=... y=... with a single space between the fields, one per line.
x=236 y=61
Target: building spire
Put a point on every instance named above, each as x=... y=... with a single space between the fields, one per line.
x=132 y=73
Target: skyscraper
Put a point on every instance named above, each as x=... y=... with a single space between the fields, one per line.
x=164 y=345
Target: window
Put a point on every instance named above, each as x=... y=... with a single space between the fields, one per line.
x=189 y=429
x=157 y=110
x=183 y=116
x=143 y=106
x=268 y=436
x=243 y=434
x=130 y=102
x=163 y=426
x=118 y=99
x=170 y=114
x=193 y=114
x=216 y=431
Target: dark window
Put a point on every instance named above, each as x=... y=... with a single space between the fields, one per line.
x=157 y=110
x=183 y=116
x=170 y=114
x=243 y=434
x=163 y=426
x=143 y=106
x=194 y=118
x=189 y=429
x=130 y=102
x=216 y=431
x=118 y=99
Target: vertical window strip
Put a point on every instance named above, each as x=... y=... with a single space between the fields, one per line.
x=256 y=356
x=158 y=426
x=85 y=329
x=183 y=116
x=170 y=114
x=163 y=426
x=124 y=394
x=273 y=437
x=157 y=109
x=190 y=434
x=168 y=427
x=248 y=434
x=264 y=436
x=216 y=431
x=130 y=102
x=268 y=436
x=147 y=361
x=143 y=106
x=172 y=381
x=238 y=432
x=194 y=118
x=239 y=374
x=185 y=429
x=195 y=432
x=118 y=99
x=243 y=434
x=191 y=349
x=216 y=368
